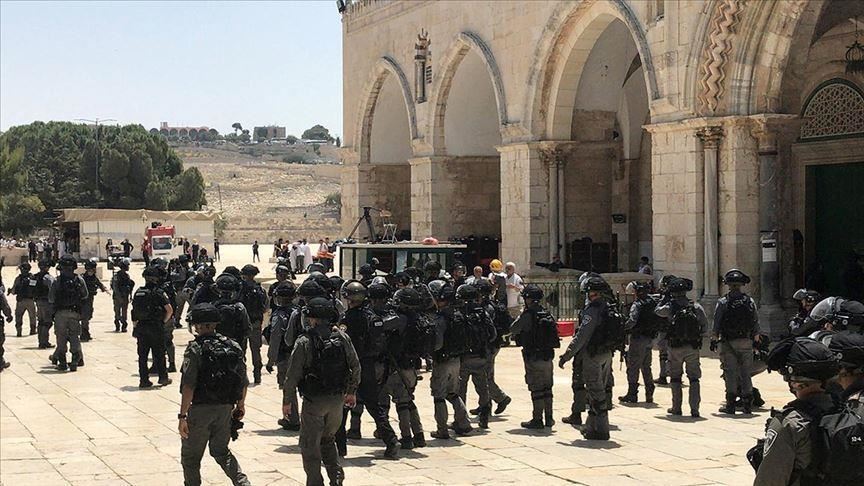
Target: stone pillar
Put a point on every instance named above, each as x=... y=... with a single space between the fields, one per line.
x=428 y=188
x=711 y=137
x=553 y=163
x=381 y=186
x=524 y=205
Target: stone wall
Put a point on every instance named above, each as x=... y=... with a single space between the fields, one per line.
x=385 y=187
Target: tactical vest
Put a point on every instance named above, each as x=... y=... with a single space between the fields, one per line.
x=67 y=295
x=25 y=286
x=254 y=299
x=609 y=333
x=738 y=318
x=327 y=374
x=92 y=284
x=231 y=322
x=366 y=330
x=648 y=324
x=121 y=284
x=147 y=306
x=540 y=338
x=420 y=335
x=479 y=331
x=40 y=291
x=685 y=329
x=221 y=376
x=455 y=336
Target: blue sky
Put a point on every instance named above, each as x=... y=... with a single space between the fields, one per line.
x=187 y=63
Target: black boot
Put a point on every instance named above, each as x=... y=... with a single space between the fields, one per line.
x=502 y=405
x=18 y=332
x=630 y=397
x=649 y=393
x=483 y=417
x=573 y=419
x=256 y=375
x=392 y=450
x=475 y=411
x=536 y=421
x=757 y=398
x=407 y=443
x=419 y=440
x=747 y=405
x=729 y=407
x=549 y=421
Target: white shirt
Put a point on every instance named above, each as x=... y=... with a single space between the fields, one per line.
x=513 y=294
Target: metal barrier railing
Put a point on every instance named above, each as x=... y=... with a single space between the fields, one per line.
x=562 y=299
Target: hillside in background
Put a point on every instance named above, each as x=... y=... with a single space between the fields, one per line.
x=263 y=197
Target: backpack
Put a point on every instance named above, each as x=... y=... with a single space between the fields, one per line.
x=478 y=330
x=501 y=318
x=42 y=288
x=145 y=306
x=738 y=318
x=222 y=375
x=328 y=373
x=420 y=335
x=685 y=328
x=374 y=337
x=68 y=296
x=840 y=438
x=231 y=321
x=649 y=323
x=610 y=334
x=120 y=283
x=254 y=299
x=455 y=336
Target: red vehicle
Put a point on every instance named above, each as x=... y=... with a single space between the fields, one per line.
x=161 y=239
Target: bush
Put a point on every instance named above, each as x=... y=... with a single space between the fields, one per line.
x=294 y=159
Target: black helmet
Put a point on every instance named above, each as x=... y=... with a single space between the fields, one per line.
x=67 y=261
x=664 y=281
x=321 y=308
x=803 y=359
x=228 y=286
x=25 y=267
x=284 y=293
x=366 y=270
x=123 y=264
x=151 y=274
x=484 y=287
x=402 y=278
x=407 y=299
x=736 y=276
x=679 y=284
x=414 y=273
x=250 y=270
x=467 y=293
x=316 y=267
x=803 y=295
x=184 y=258
x=44 y=263
x=203 y=313
x=232 y=270
x=381 y=280
x=90 y=264
x=849 y=347
x=378 y=291
x=532 y=292
x=842 y=313
x=209 y=271
x=336 y=282
x=595 y=284
x=353 y=291
x=310 y=289
x=441 y=290
x=282 y=269
x=432 y=267
x=639 y=287
x=159 y=262
x=321 y=280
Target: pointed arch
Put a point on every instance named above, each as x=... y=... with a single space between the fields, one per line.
x=453 y=57
x=384 y=68
x=570 y=33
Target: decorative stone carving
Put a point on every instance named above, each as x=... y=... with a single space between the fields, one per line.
x=835 y=109
x=724 y=24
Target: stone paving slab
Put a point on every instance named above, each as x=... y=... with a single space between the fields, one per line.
x=94 y=427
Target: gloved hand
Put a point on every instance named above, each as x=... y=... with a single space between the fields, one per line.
x=562 y=362
x=714 y=345
x=269 y=368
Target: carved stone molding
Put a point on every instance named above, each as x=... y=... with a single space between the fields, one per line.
x=710 y=136
x=723 y=30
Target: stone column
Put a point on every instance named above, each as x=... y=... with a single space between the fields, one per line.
x=524 y=205
x=711 y=137
x=552 y=161
x=429 y=188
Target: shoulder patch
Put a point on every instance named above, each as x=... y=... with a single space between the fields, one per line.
x=586 y=318
x=770 y=436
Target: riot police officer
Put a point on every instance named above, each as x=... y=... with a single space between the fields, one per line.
x=278 y=352
x=642 y=328
x=481 y=334
x=368 y=334
x=179 y=274
x=254 y=299
x=849 y=347
x=325 y=368
x=282 y=274
x=151 y=312
x=537 y=332
x=23 y=289
x=806 y=365
x=93 y=286
x=44 y=312
x=66 y=296
x=213 y=387
x=497 y=311
x=451 y=343
x=800 y=325
x=686 y=325
x=233 y=320
x=121 y=292
x=736 y=328
x=593 y=347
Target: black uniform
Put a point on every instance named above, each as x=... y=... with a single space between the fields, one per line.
x=148 y=314
x=537 y=332
x=93 y=285
x=254 y=299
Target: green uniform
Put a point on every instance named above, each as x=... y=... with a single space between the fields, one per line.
x=788 y=441
x=322 y=412
x=209 y=423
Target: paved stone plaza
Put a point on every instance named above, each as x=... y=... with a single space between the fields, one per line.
x=96 y=427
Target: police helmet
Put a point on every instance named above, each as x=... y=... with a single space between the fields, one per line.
x=805 y=295
x=377 y=291
x=321 y=280
x=414 y=273
x=250 y=270
x=90 y=264
x=679 y=285
x=316 y=267
x=67 y=261
x=284 y=293
x=484 y=287
x=842 y=313
x=321 y=308
x=123 y=264
x=380 y=280
x=353 y=291
x=467 y=293
x=228 y=286
x=432 y=267
x=736 y=276
x=159 y=262
x=282 y=269
x=458 y=267
x=232 y=270
x=441 y=290
x=25 y=267
x=407 y=299
x=532 y=292
x=803 y=359
x=849 y=347
x=366 y=270
x=184 y=258
x=209 y=271
x=637 y=287
x=151 y=274
x=664 y=281
x=310 y=289
x=336 y=282
x=595 y=284
x=203 y=313
x=402 y=278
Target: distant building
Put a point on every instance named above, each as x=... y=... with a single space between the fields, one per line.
x=193 y=133
x=268 y=133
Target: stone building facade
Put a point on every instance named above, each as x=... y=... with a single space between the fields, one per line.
x=703 y=134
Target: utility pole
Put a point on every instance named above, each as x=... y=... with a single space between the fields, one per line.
x=96 y=122
x=219 y=186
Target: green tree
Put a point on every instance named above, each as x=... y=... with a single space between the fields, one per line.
x=189 y=190
x=156 y=196
x=244 y=136
x=317 y=132
x=291 y=139
x=237 y=127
